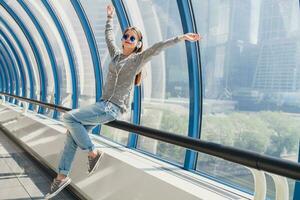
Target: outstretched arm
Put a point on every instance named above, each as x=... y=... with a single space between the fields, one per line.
x=156 y=48
x=109 y=34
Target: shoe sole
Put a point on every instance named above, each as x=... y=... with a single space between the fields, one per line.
x=97 y=164
x=48 y=196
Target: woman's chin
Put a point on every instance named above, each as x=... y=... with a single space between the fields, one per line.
x=128 y=49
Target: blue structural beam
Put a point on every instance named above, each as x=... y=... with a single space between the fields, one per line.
x=136 y=104
x=4 y=67
x=1 y=82
x=18 y=60
x=56 y=76
x=24 y=54
x=43 y=76
x=297 y=184
x=121 y=14
x=93 y=49
x=68 y=48
x=4 y=79
x=7 y=68
x=10 y=64
x=12 y=68
x=9 y=74
x=92 y=45
x=194 y=67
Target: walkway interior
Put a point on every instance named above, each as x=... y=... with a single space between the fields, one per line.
x=20 y=178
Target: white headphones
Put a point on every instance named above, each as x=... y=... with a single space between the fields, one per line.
x=139 y=44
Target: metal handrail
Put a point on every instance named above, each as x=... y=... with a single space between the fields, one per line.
x=247 y=158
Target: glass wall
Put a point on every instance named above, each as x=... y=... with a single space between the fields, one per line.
x=18 y=68
x=165 y=88
x=251 y=72
x=96 y=13
x=45 y=60
x=7 y=65
x=10 y=27
x=63 y=69
x=12 y=64
x=250 y=54
x=81 y=51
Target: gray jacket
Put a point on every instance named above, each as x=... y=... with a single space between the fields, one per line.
x=131 y=66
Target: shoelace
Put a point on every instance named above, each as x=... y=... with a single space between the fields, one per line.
x=55 y=184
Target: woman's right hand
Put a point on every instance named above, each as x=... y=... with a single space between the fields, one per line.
x=110 y=10
x=191 y=37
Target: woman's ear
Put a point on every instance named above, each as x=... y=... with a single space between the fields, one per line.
x=139 y=44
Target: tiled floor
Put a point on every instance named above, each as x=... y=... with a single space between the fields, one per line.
x=20 y=179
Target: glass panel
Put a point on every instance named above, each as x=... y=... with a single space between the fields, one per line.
x=8 y=64
x=40 y=45
x=80 y=47
x=19 y=34
x=165 y=88
x=96 y=13
x=11 y=59
x=54 y=38
x=251 y=73
x=15 y=61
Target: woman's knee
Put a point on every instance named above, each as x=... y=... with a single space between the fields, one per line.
x=67 y=117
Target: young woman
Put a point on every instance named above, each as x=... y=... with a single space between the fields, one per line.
x=124 y=69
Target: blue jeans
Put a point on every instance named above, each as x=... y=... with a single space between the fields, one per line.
x=79 y=122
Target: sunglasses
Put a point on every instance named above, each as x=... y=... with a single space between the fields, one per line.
x=131 y=38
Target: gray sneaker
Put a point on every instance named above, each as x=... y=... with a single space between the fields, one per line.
x=94 y=162
x=57 y=186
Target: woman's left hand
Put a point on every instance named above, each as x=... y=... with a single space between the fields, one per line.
x=191 y=36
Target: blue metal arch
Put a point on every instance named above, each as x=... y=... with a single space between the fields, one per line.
x=9 y=89
x=297 y=184
x=43 y=77
x=4 y=80
x=121 y=13
x=12 y=68
x=1 y=82
x=92 y=44
x=18 y=59
x=49 y=49
x=194 y=67
x=4 y=77
x=13 y=60
x=70 y=55
x=136 y=104
x=28 y=64
x=9 y=72
x=93 y=49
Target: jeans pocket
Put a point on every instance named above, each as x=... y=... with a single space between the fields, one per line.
x=105 y=117
x=115 y=112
